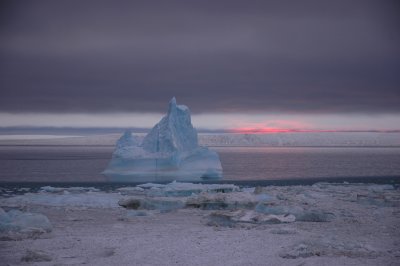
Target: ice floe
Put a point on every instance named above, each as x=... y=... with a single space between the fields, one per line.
x=81 y=199
x=305 y=203
x=231 y=218
x=16 y=224
x=179 y=189
x=162 y=204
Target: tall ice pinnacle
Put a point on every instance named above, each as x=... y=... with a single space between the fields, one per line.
x=172 y=104
x=173 y=133
x=170 y=151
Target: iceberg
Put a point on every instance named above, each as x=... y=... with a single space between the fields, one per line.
x=170 y=151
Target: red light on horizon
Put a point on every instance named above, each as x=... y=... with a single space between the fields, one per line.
x=270 y=130
x=265 y=130
x=270 y=126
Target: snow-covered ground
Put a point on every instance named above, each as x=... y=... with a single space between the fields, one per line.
x=193 y=224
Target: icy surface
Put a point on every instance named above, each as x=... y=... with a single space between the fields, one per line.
x=225 y=218
x=51 y=189
x=332 y=248
x=174 y=133
x=161 y=204
x=18 y=224
x=186 y=189
x=169 y=152
x=35 y=256
x=323 y=224
x=65 y=199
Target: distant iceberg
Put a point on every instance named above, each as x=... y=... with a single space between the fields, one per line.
x=170 y=151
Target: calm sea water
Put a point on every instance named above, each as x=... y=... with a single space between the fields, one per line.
x=85 y=163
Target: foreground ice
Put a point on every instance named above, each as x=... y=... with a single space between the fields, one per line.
x=231 y=218
x=169 y=152
x=186 y=189
x=323 y=224
x=317 y=248
x=305 y=203
x=82 y=199
x=230 y=204
x=35 y=256
x=17 y=224
x=161 y=204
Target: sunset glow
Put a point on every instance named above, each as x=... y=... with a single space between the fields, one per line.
x=272 y=126
x=249 y=130
x=265 y=130
x=235 y=123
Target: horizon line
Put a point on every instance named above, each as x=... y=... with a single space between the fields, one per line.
x=203 y=130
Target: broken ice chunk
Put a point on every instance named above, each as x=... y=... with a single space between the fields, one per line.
x=162 y=204
x=315 y=216
x=179 y=189
x=131 y=190
x=300 y=214
x=24 y=224
x=267 y=208
x=35 y=256
x=231 y=218
x=135 y=213
x=223 y=201
x=130 y=203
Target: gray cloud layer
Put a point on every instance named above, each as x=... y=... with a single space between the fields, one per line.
x=215 y=56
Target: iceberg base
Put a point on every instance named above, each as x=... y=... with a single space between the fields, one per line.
x=200 y=164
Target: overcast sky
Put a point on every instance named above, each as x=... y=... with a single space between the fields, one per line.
x=250 y=58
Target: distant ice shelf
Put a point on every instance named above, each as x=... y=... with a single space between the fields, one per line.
x=170 y=151
x=35 y=137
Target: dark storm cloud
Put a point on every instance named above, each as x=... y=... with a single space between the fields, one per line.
x=234 y=56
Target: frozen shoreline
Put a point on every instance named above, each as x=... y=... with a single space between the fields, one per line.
x=323 y=224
